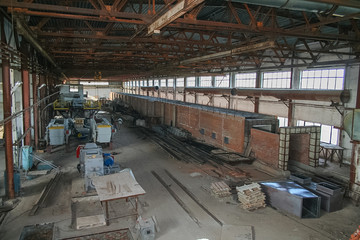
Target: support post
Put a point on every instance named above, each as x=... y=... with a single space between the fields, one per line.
x=257 y=85
x=26 y=94
x=7 y=113
x=35 y=110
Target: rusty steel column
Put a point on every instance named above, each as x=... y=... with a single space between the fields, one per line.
x=26 y=101
x=35 y=110
x=7 y=113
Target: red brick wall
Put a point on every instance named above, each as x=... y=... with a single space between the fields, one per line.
x=265 y=146
x=299 y=148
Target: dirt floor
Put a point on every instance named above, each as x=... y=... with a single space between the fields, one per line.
x=136 y=151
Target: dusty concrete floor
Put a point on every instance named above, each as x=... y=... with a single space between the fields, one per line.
x=143 y=156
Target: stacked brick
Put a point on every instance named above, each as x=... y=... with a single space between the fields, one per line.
x=251 y=197
x=220 y=189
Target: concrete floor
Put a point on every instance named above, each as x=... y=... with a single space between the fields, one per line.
x=140 y=154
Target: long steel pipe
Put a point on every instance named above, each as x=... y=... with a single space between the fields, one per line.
x=35 y=110
x=154 y=88
x=295 y=94
x=221 y=91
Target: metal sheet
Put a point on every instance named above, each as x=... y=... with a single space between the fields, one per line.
x=292 y=198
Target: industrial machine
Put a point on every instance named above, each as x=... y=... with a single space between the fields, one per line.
x=93 y=162
x=58 y=131
x=102 y=130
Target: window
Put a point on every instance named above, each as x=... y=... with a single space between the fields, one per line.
x=329 y=134
x=190 y=82
x=141 y=83
x=150 y=83
x=213 y=135
x=283 y=122
x=145 y=83
x=222 y=81
x=170 y=82
x=276 y=80
x=245 y=80
x=180 y=82
x=74 y=88
x=156 y=83
x=205 y=81
x=332 y=79
x=226 y=140
x=202 y=131
x=162 y=83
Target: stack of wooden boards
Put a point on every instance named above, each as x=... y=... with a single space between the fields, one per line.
x=220 y=189
x=251 y=197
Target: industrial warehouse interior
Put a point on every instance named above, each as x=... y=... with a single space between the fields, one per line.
x=180 y=119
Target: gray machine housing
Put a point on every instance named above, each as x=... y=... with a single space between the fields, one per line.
x=91 y=163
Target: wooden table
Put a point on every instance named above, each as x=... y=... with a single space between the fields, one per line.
x=117 y=186
x=329 y=150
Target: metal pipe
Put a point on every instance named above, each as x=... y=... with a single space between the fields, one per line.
x=221 y=91
x=294 y=94
x=305 y=5
x=154 y=88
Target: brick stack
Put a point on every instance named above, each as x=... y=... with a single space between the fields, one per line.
x=251 y=197
x=220 y=189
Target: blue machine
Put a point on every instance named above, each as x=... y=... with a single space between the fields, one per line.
x=108 y=159
x=16 y=182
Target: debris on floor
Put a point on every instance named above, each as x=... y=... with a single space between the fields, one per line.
x=37 y=232
x=121 y=234
x=220 y=189
x=251 y=197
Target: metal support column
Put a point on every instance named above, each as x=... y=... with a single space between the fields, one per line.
x=26 y=95
x=35 y=110
x=7 y=114
x=257 y=85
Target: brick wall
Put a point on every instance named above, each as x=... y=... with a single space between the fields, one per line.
x=299 y=148
x=265 y=146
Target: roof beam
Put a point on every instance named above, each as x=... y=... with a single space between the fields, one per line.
x=175 y=12
x=235 y=51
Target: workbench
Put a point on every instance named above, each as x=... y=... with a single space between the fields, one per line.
x=117 y=186
x=328 y=151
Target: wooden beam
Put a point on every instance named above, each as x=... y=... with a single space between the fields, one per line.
x=175 y=12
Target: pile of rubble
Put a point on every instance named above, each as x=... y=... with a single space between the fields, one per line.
x=220 y=189
x=251 y=197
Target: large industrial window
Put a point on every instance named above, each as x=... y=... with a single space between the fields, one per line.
x=170 y=82
x=141 y=83
x=276 y=80
x=205 y=81
x=283 y=122
x=323 y=79
x=162 y=83
x=245 y=80
x=222 y=81
x=190 y=82
x=179 y=82
x=156 y=83
x=145 y=83
x=329 y=134
x=150 y=83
